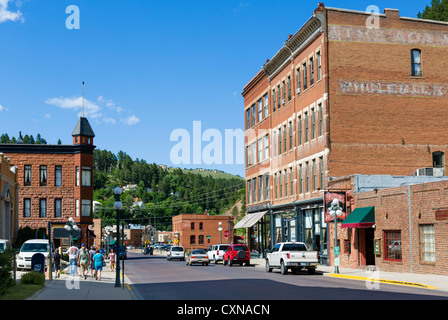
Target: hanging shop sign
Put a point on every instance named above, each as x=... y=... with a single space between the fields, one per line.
x=329 y=197
x=289 y=215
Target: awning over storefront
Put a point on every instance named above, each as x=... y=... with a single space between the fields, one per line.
x=59 y=233
x=360 y=218
x=250 y=219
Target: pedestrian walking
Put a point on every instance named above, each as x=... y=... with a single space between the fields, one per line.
x=83 y=260
x=98 y=263
x=72 y=259
x=91 y=264
x=112 y=260
x=57 y=263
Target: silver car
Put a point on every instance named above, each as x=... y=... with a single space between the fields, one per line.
x=197 y=256
x=176 y=253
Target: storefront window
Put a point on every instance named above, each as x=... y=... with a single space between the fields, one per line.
x=309 y=229
x=392 y=245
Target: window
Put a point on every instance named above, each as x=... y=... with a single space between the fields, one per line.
x=299 y=81
x=311 y=71
x=192 y=239
x=266 y=186
x=392 y=245
x=77 y=176
x=254 y=153
x=292 y=180
x=284 y=138
x=319 y=66
x=266 y=146
x=305 y=118
x=280 y=141
x=192 y=226
x=86 y=208
x=321 y=171
x=77 y=208
x=320 y=127
x=300 y=179
x=27 y=177
x=86 y=176
x=273 y=100
x=266 y=105
x=285 y=176
x=275 y=187
x=313 y=124
x=284 y=92
x=42 y=208
x=289 y=88
x=437 y=159
x=27 y=208
x=201 y=239
x=254 y=115
x=260 y=149
x=260 y=188
x=305 y=76
x=57 y=208
x=43 y=175
x=275 y=143
x=249 y=191
x=58 y=176
x=260 y=110
x=247 y=118
x=299 y=124
x=347 y=247
x=290 y=134
x=201 y=225
x=307 y=177
x=278 y=97
x=416 y=62
x=254 y=189
x=427 y=243
x=281 y=184
x=314 y=175
x=249 y=156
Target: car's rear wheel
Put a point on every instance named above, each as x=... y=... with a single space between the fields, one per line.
x=268 y=267
x=224 y=262
x=283 y=268
x=230 y=262
x=311 y=270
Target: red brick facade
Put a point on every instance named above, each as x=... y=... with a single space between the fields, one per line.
x=359 y=110
x=199 y=231
x=40 y=199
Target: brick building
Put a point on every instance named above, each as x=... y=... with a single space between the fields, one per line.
x=9 y=200
x=56 y=182
x=340 y=98
x=199 y=231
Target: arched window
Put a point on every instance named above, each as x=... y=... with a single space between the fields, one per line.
x=192 y=226
x=416 y=62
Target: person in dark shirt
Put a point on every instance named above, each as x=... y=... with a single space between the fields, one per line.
x=57 y=263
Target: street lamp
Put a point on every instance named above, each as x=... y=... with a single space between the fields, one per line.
x=69 y=226
x=117 y=206
x=335 y=212
x=220 y=231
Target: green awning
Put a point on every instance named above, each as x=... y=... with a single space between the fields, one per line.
x=360 y=218
x=112 y=242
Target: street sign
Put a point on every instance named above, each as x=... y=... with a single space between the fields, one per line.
x=227 y=233
x=336 y=251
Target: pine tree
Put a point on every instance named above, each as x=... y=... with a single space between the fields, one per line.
x=437 y=11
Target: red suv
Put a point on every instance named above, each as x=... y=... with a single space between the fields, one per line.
x=236 y=253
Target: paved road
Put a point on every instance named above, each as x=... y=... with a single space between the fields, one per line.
x=155 y=278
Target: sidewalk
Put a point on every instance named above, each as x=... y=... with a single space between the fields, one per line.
x=426 y=281
x=75 y=288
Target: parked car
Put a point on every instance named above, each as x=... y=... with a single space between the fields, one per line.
x=176 y=252
x=4 y=245
x=29 y=249
x=216 y=252
x=148 y=250
x=395 y=246
x=236 y=253
x=291 y=255
x=197 y=256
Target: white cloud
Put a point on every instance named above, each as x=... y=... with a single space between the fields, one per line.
x=129 y=121
x=2 y=108
x=100 y=110
x=6 y=15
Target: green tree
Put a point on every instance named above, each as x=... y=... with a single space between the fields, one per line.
x=438 y=10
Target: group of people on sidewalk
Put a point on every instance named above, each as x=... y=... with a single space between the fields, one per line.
x=93 y=260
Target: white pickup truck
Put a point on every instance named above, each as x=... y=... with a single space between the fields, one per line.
x=291 y=255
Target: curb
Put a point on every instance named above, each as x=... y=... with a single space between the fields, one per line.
x=373 y=280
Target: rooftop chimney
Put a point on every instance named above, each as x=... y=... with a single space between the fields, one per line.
x=392 y=13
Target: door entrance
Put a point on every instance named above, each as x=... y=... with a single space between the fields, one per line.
x=370 y=254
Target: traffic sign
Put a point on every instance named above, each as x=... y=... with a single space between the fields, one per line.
x=227 y=233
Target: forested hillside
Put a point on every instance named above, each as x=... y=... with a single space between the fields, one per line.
x=165 y=192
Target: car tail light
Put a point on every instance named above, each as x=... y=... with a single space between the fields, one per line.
x=288 y=255
x=193 y=257
x=217 y=253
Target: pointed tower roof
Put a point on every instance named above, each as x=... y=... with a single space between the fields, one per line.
x=83 y=128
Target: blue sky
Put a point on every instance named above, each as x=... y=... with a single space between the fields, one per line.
x=150 y=67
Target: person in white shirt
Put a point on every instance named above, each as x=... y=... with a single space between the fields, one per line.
x=72 y=258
